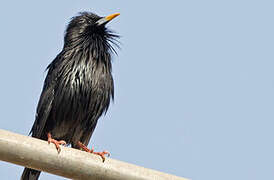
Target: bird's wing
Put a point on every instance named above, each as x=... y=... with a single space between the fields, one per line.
x=44 y=105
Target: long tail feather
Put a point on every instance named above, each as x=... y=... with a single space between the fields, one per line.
x=30 y=174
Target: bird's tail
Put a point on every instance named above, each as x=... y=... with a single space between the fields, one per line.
x=30 y=174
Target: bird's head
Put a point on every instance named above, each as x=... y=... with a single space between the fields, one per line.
x=89 y=30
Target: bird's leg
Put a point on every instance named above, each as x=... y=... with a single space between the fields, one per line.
x=57 y=143
x=102 y=154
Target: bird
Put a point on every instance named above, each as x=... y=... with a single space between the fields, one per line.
x=78 y=87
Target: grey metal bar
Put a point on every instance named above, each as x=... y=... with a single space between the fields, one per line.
x=71 y=163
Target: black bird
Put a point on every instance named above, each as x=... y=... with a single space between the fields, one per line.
x=78 y=87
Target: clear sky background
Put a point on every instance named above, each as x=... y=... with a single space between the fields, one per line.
x=194 y=82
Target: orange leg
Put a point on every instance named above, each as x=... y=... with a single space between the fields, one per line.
x=102 y=154
x=57 y=143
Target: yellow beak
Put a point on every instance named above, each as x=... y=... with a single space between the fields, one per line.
x=110 y=17
x=106 y=19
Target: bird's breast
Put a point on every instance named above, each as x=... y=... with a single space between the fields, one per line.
x=84 y=90
x=82 y=94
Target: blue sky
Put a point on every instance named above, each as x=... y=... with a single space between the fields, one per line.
x=194 y=82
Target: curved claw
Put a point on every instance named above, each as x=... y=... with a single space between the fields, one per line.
x=102 y=154
x=56 y=143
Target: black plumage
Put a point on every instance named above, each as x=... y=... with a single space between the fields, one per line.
x=79 y=86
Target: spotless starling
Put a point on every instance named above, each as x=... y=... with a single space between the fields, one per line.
x=78 y=87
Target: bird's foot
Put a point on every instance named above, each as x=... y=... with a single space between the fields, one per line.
x=56 y=143
x=102 y=154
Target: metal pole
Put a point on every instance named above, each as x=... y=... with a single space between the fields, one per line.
x=71 y=163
